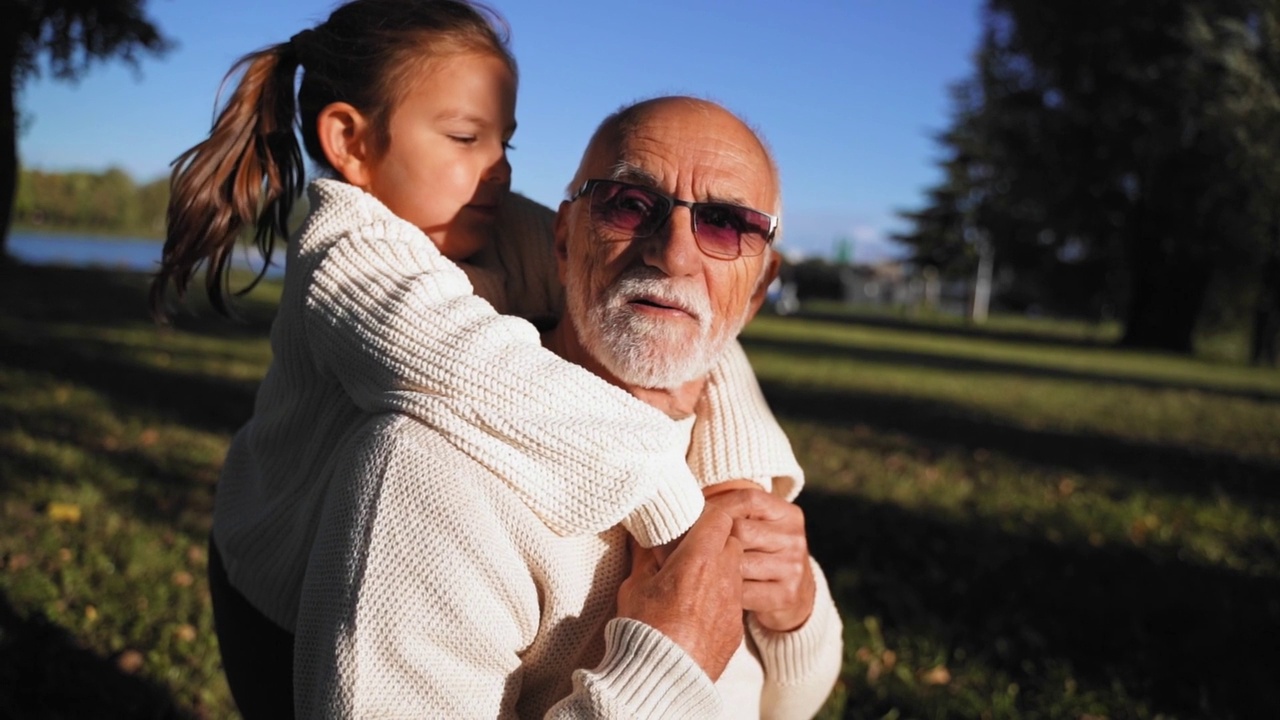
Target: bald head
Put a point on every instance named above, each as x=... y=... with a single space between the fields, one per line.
x=705 y=125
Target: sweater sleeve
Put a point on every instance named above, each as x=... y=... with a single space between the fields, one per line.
x=398 y=326
x=736 y=435
x=644 y=674
x=421 y=604
x=801 y=666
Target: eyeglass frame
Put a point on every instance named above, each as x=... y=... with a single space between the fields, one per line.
x=589 y=185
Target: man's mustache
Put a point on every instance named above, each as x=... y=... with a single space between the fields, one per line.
x=650 y=283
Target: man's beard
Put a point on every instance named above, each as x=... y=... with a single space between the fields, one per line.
x=639 y=349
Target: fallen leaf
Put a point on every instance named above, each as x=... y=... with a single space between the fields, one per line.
x=182 y=578
x=889 y=658
x=185 y=632
x=19 y=561
x=130 y=662
x=64 y=554
x=63 y=512
x=148 y=437
x=939 y=675
x=90 y=613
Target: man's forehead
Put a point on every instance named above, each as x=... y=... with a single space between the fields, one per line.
x=690 y=161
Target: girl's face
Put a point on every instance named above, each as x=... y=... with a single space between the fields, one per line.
x=444 y=167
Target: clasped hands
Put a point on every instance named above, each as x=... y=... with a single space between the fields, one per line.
x=747 y=552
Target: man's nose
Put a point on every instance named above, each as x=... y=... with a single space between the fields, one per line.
x=672 y=248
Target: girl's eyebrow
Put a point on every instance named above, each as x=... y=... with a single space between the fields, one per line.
x=450 y=114
x=462 y=116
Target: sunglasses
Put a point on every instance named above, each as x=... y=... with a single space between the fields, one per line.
x=722 y=230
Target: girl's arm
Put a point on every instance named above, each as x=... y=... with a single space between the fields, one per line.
x=397 y=324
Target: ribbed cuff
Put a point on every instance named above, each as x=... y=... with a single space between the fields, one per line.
x=669 y=512
x=790 y=658
x=644 y=674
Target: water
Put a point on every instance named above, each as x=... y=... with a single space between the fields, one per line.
x=89 y=251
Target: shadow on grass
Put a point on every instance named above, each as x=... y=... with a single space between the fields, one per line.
x=44 y=673
x=1196 y=473
x=1190 y=640
x=199 y=401
x=115 y=299
x=952 y=330
x=948 y=364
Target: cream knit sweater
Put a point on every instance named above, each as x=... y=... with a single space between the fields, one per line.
x=374 y=319
x=434 y=591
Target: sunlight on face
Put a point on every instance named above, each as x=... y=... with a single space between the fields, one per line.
x=445 y=167
x=656 y=311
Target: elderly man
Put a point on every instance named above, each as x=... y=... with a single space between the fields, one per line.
x=456 y=599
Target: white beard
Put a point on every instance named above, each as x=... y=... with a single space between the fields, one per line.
x=642 y=350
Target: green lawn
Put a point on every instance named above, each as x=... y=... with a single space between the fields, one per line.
x=1017 y=521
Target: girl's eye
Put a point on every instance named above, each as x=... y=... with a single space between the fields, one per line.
x=464 y=139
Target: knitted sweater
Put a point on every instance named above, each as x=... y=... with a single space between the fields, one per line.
x=374 y=319
x=434 y=591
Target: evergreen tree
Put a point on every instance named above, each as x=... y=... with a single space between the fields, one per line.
x=1126 y=149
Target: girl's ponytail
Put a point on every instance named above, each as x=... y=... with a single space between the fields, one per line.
x=247 y=173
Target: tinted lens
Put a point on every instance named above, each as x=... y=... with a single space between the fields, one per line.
x=730 y=230
x=627 y=208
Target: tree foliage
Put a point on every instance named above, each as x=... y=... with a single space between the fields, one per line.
x=106 y=202
x=96 y=203
x=1116 y=155
x=67 y=37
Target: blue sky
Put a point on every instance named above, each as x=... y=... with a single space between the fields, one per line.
x=848 y=93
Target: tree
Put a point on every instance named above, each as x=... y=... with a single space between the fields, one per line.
x=1134 y=144
x=71 y=35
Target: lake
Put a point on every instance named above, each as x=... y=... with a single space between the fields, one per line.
x=86 y=251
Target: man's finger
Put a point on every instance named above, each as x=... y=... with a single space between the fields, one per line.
x=708 y=535
x=751 y=503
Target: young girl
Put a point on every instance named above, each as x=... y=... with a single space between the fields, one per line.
x=407 y=106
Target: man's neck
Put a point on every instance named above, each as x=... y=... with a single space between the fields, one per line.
x=678 y=403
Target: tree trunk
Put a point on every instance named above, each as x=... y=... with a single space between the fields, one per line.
x=8 y=136
x=1265 y=345
x=1166 y=293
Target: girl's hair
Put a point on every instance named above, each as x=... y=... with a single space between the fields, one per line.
x=249 y=171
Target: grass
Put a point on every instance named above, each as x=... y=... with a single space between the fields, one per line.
x=1017 y=522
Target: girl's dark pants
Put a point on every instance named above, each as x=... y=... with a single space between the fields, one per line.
x=257 y=654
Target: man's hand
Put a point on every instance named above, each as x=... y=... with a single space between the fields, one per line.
x=695 y=597
x=778 y=584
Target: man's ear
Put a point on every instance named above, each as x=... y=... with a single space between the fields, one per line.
x=773 y=263
x=561 y=231
x=346 y=136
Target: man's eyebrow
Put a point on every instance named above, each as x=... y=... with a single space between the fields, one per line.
x=628 y=172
